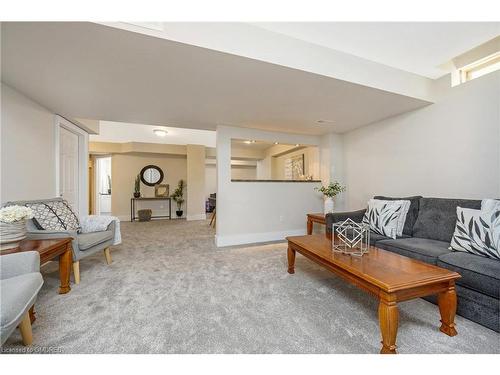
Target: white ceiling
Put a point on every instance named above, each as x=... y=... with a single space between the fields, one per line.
x=86 y=70
x=120 y=132
x=417 y=47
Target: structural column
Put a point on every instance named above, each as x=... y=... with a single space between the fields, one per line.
x=195 y=182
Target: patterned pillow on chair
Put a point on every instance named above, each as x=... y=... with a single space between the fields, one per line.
x=54 y=215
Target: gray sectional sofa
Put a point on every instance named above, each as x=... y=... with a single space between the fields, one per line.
x=426 y=236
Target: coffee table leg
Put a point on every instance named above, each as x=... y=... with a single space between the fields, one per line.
x=65 y=270
x=388 y=317
x=291 y=260
x=447 y=301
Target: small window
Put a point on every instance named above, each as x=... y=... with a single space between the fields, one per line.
x=479 y=68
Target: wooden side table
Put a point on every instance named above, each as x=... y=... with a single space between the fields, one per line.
x=49 y=250
x=314 y=218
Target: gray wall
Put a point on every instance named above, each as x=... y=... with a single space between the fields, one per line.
x=28 y=160
x=447 y=149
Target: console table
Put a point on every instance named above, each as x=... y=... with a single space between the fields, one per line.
x=133 y=209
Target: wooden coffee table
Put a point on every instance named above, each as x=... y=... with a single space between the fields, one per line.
x=49 y=250
x=388 y=276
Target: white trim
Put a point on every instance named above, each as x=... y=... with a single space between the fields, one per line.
x=249 y=238
x=83 y=150
x=196 y=217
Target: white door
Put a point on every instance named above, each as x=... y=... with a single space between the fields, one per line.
x=69 y=167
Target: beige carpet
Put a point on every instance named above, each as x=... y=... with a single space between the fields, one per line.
x=170 y=290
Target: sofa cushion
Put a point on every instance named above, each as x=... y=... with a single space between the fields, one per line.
x=412 y=214
x=18 y=295
x=437 y=217
x=88 y=240
x=375 y=237
x=478 y=273
x=418 y=248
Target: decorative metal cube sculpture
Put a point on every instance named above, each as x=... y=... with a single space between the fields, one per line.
x=350 y=238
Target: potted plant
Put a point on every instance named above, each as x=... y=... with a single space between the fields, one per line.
x=137 y=187
x=330 y=191
x=13 y=225
x=178 y=197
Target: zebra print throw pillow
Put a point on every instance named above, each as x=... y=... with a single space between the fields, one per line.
x=383 y=217
x=477 y=232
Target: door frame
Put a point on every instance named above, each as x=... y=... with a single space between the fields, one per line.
x=83 y=160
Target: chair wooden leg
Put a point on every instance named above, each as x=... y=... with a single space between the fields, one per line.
x=76 y=271
x=107 y=254
x=25 y=328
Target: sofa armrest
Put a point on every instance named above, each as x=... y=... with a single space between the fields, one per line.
x=112 y=227
x=16 y=264
x=49 y=234
x=335 y=217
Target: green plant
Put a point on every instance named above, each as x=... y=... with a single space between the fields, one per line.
x=137 y=184
x=333 y=189
x=178 y=195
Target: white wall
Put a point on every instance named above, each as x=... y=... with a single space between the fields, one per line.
x=331 y=151
x=28 y=160
x=249 y=212
x=448 y=149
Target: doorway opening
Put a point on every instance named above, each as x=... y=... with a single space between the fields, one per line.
x=103 y=186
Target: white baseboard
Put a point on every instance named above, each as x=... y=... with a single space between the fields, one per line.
x=196 y=217
x=249 y=238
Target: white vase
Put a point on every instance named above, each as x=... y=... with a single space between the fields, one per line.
x=11 y=234
x=328 y=205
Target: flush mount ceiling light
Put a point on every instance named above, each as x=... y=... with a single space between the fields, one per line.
x=276 y=143
x=249 y=141
x=297 y=145
x=160 y=132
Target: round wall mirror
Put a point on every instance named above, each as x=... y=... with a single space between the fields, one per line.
x=151 y=175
